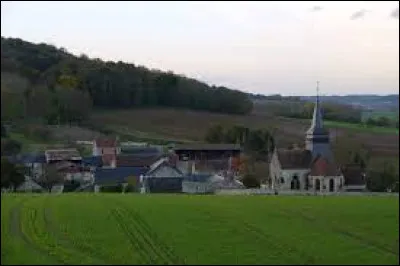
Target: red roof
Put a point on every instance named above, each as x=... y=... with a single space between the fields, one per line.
x=322 y=167
x=106 y=142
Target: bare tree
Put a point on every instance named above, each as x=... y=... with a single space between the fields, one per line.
x=50 y=177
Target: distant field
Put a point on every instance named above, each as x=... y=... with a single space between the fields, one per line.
x=360 y=127
x=377 y=114
x=192 y=126
x=179 y=229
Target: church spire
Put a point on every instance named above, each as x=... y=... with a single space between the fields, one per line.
x=317 y=122
x=317 y=137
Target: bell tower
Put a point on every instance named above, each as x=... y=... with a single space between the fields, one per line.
x=317 y=137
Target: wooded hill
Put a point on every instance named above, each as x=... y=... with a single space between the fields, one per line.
x=115 y=84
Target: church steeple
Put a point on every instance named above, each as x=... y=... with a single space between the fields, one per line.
x=317 y=124
x=317 y=137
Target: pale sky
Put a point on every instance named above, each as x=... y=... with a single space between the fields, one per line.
x=259 y=47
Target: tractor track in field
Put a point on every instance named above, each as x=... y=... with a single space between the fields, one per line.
x=16 y=230
x=348 y=234
x=68 y=242
x=148 y=244
x=263 y=236
x=140 y=247
x=163 y=249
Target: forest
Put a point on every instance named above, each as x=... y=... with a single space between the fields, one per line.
x=62 y=81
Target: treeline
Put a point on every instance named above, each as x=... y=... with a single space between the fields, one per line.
x=304 y=110
x=114 y=85
x=259 y=143
x=382 y=121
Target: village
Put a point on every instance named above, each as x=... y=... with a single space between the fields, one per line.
x=198 y=168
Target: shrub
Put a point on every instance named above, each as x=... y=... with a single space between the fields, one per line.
x=10 y=147
x=112 y=189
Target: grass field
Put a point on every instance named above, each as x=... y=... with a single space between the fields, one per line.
x=191 y=125
x=172 y=229
x=392 y=115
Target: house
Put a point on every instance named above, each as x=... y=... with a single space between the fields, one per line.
x=208 y=183
x=71 y=171
x=312 y=168
x=162 y=177
x=116 y=176
x=29 y=185
x=58 y=155
x=354 y=178
x=108 y=149
x=205 y=158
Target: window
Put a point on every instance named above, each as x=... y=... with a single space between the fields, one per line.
x=282 y=180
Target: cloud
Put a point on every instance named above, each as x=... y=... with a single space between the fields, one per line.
x=358 y=14
x=395 y=13
x=316 y=8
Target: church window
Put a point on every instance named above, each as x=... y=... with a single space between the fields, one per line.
x=282 y=180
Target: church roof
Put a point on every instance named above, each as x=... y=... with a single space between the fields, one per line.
x=322 y=167
x=294 y=159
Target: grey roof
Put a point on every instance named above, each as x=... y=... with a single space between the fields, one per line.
x=162 y=162
x=294 y=159
x=207 y=146
x=117 y=175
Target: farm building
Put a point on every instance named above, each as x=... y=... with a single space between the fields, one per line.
x=206 y=158
x=312 y=168
x=162 y=176
x=58 y=155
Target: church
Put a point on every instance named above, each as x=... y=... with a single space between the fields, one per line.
x=313 y=168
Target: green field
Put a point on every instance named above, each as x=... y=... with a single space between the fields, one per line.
x=361 y=127
x=178 y=229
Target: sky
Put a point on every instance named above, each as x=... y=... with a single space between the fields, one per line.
x=259 y=47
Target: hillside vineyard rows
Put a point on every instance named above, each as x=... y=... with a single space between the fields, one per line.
x=177 y=229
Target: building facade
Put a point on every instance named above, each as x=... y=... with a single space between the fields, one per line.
x=312 y=168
